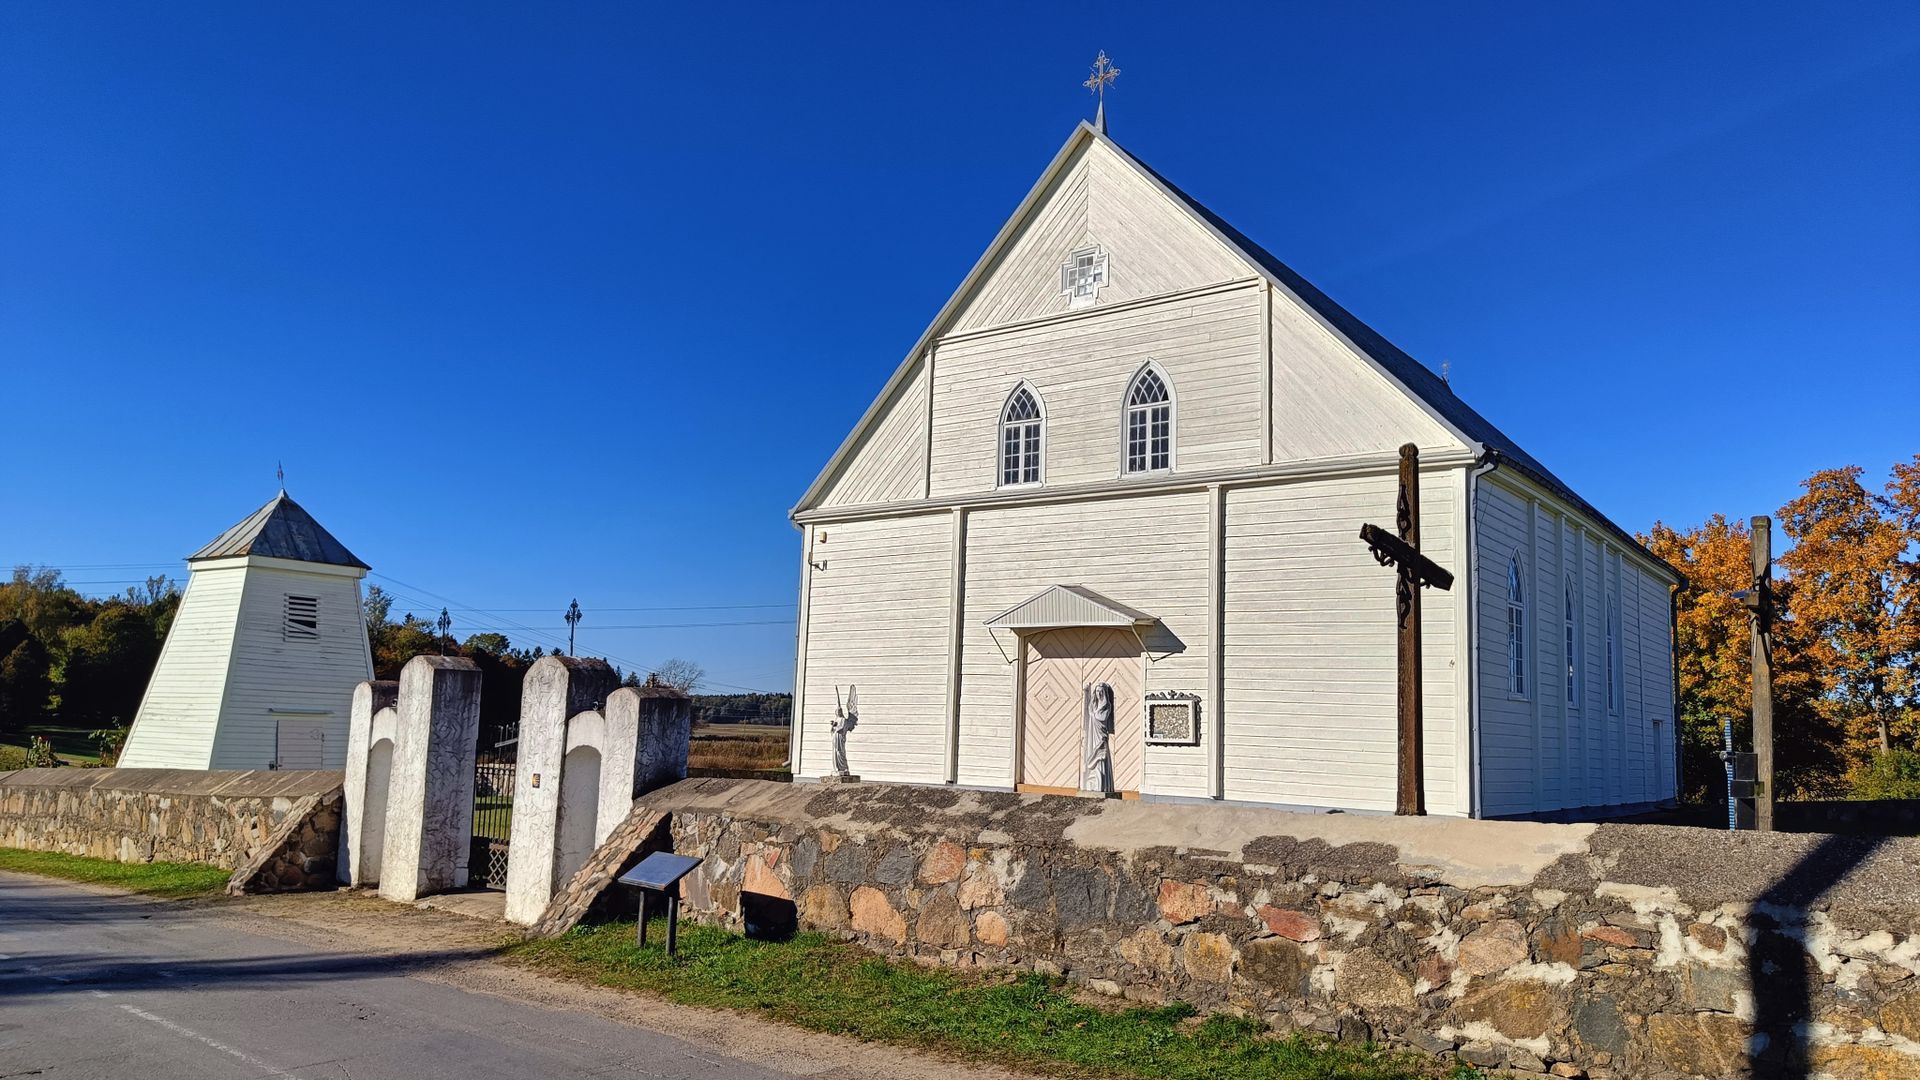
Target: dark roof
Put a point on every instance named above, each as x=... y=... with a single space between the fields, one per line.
x=280 y=530
x=1416 y=377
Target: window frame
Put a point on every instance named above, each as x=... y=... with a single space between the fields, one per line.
x=1127 y=409
x=1576 y=673
x=1517 y=630
x=1097 y=274
x=1616 y=685
x=1000 y=439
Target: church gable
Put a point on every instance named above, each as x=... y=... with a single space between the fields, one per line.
x=1099 y=234
x=889 y=463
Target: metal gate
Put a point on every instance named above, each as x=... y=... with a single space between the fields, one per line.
x=493 y=766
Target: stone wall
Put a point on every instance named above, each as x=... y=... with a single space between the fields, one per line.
x=1608 y=951
x=232 y=819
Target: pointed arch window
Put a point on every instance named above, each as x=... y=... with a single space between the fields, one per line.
x=1516 y=630
x=1571 y=634
x=1149 y=422
x=1613 y=654
x=1023 y=436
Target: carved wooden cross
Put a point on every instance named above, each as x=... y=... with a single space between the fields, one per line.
x=1415 y=572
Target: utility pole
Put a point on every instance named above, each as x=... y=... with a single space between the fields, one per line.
x=1759 y=602
x=446 y=626
x=573 y=620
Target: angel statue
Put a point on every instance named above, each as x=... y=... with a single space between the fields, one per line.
x=846 y=717
x=1096 y=772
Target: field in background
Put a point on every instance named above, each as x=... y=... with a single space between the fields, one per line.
x=739 y=746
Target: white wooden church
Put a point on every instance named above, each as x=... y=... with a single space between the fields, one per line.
x=259 y=667
x=1135 y=448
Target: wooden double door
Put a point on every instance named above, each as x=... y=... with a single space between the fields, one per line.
x=1059 y=665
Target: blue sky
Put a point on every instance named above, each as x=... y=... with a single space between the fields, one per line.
x=561 y=300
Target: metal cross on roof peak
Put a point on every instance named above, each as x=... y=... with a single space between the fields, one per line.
x=1103 y=73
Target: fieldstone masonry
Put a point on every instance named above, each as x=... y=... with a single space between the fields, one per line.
x=1609 y=952
x=237 y=819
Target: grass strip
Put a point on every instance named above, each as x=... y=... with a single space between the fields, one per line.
x=171 y=880
x=821 y=984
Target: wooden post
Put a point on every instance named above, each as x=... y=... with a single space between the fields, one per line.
x=1760 y=603
x=1413 y=790
x=1412 y=572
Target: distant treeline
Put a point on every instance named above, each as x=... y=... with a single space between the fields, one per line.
x=72 y=661
x=743 y=709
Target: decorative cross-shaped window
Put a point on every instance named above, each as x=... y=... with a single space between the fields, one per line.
x=1081 y=277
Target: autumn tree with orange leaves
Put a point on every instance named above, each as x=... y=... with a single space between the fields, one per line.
x=1711 y=645
x=1846 y=635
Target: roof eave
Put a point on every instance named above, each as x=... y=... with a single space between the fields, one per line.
x=948 y=311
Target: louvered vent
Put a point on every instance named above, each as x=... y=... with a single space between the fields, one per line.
x=302 y=621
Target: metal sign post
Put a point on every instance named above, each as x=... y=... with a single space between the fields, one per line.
x=660 y=873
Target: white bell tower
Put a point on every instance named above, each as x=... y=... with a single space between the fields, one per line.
x=260 y=664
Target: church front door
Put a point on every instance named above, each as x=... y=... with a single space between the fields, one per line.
x=1060 y=665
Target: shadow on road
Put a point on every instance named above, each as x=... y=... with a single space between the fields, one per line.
x=27 y=975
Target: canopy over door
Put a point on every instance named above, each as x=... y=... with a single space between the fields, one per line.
x=1071 y=638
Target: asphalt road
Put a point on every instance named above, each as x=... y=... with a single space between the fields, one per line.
x=95 y=985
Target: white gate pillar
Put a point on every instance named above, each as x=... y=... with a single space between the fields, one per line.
x=553 y=819
x=429 y=832
x=363 y=820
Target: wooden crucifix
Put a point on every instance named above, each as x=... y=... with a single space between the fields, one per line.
x=1759 y=603
x=1415 y=572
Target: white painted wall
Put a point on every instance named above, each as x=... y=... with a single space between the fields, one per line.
x=877 y=618
x=1148 y=552
x=891 y=462
x=174 y=727
x=1153 y=247
x=1311 y=669
x=1540 y=752
x=227 y=674
x=1208 y=345
x=270 y=675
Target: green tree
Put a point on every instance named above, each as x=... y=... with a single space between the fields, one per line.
x=489 y=643
x=1845 y=565
x=46 y=604
x=26 y=679
x=106 y=667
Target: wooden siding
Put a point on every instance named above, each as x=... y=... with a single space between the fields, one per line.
x=1329 y=402
x=1152 y=246
x=1538 y=753
x=877 y=618
x=175 y=724
x=1309 y=662
x=271 y=677
x=1209 y=346
x=890 y=465
x=1148 y=552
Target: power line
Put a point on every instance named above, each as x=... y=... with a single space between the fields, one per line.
x=543 y=638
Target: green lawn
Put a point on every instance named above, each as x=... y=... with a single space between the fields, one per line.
x=75 y=745
x=174 y=881
x=825 y=985
x=493 y=816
